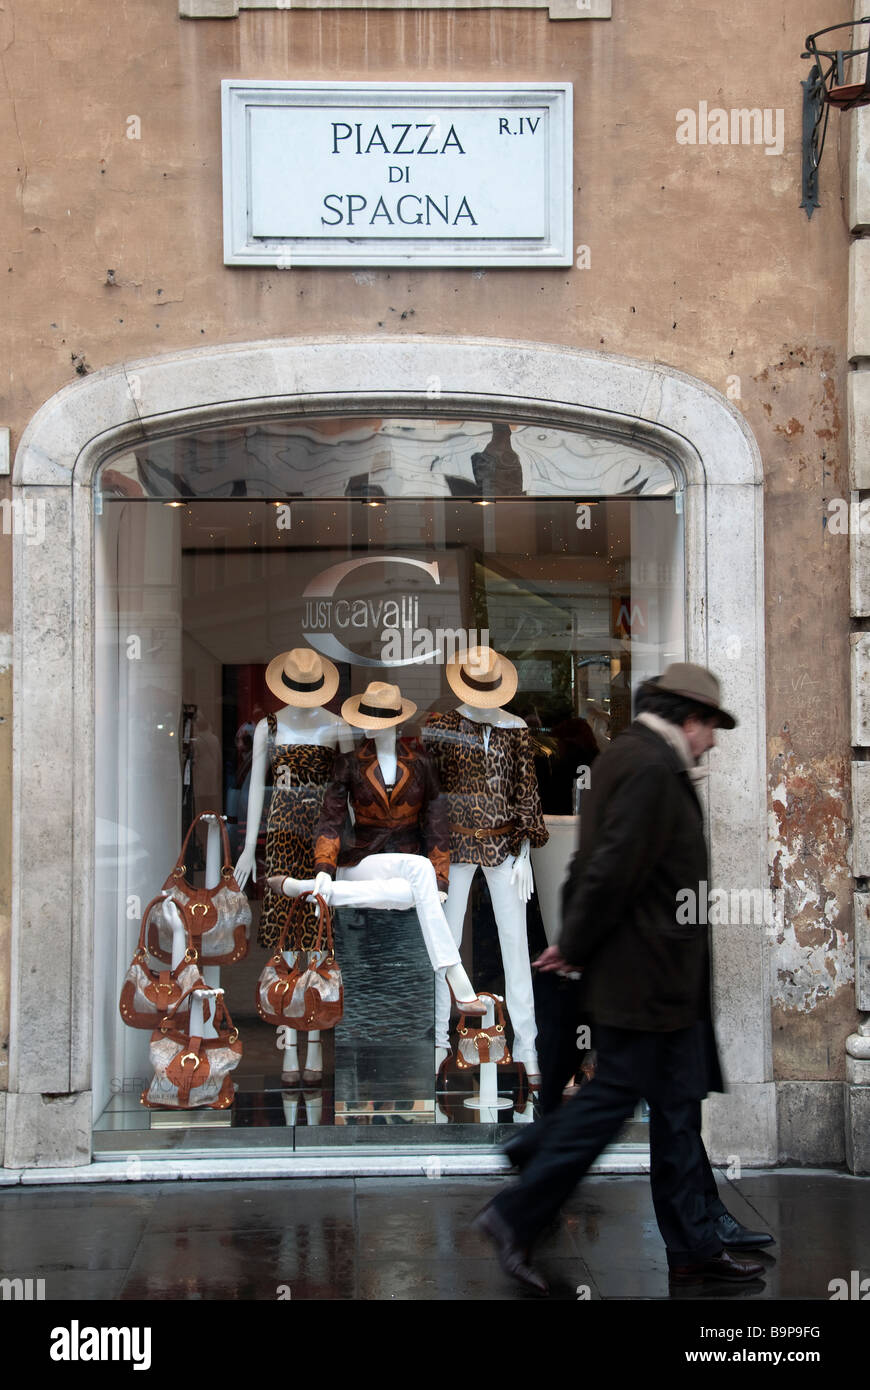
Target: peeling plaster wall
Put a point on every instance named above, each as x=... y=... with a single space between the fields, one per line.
x=700 y=258
x=812 y=961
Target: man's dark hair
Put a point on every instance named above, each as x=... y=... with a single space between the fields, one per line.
x=676 y=709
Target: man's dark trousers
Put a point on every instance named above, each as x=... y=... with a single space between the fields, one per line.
x=668 y=1070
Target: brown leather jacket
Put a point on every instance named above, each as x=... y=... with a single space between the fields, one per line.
x=492 y=794
x=409 y=819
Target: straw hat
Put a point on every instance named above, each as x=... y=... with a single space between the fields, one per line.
x=379 y=707
x=692 y=683
x=481 y=677
x=303 y=678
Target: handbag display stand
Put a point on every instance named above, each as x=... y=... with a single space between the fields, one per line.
x=488 y=1101
x=195 y=1119
x=213 y=864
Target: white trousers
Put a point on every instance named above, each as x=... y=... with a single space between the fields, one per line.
x=510 y=917
x=398 y=881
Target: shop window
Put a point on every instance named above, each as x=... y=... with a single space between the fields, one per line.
x=385 y=547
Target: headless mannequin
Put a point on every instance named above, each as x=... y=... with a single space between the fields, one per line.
x=521 y=873
x=517 y=972
x=295 y=725
x=346 y=891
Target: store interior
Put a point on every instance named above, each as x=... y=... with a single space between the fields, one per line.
x=385 y=546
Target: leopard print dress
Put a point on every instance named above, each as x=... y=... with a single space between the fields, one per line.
x=301 y=772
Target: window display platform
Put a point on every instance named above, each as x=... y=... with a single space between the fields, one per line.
x=378 y=1090
x=276 y=1118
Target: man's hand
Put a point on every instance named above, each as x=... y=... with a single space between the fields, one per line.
x=552 y=959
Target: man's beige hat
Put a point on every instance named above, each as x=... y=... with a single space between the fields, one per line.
x=379 y=707
x=481 y=677
x=301 y=677
x=692 y=683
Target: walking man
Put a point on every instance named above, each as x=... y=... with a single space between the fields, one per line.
x=645 y=985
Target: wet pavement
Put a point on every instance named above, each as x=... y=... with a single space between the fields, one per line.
x=406 y=1239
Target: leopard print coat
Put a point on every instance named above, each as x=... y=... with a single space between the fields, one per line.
x=486 y=788
x=301 y=772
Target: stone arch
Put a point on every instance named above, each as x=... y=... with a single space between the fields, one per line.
x=48 y=1104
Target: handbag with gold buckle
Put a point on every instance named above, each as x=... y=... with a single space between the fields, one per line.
x=219 y=917
x=189 y=1072
x=477 y=1045
x=146 y=994
x=309 y=994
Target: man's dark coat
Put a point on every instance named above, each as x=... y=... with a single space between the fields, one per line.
x=641 y=842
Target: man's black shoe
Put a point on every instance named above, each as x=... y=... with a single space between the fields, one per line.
x=511 y=1256
x=737 y=1237
x=722 y=1266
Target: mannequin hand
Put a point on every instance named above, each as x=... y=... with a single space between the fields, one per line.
x=521 y=873
x=323 y=887
x=246 y=867
x=442 y=897
x=171 y=914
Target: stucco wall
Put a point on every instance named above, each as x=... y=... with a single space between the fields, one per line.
x=699 y=257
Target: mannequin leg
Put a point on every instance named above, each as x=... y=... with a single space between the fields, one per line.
x=510 y=918
x=417 y=876
x=393 y=881
x=290 y=1073
x=461 y=876
x=313 y=1072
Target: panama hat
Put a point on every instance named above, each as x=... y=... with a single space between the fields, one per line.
x=692 y=683
x=482 y=678
x=380 y=706
x=301 y=677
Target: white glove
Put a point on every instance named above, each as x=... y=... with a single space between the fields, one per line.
x=246 y=867
x=442 y=897
x=521 y=873
x=323 y=887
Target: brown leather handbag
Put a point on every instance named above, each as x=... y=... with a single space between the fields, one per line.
x=146 y=995
x=219 y=917
x=193 y=1073
x=477 y=1045
x=309 y=994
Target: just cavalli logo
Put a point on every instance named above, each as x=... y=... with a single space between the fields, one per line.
x=390 y=627
x=345 y=613
x=331 y=620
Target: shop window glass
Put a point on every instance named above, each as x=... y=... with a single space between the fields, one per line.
x=386 y=547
